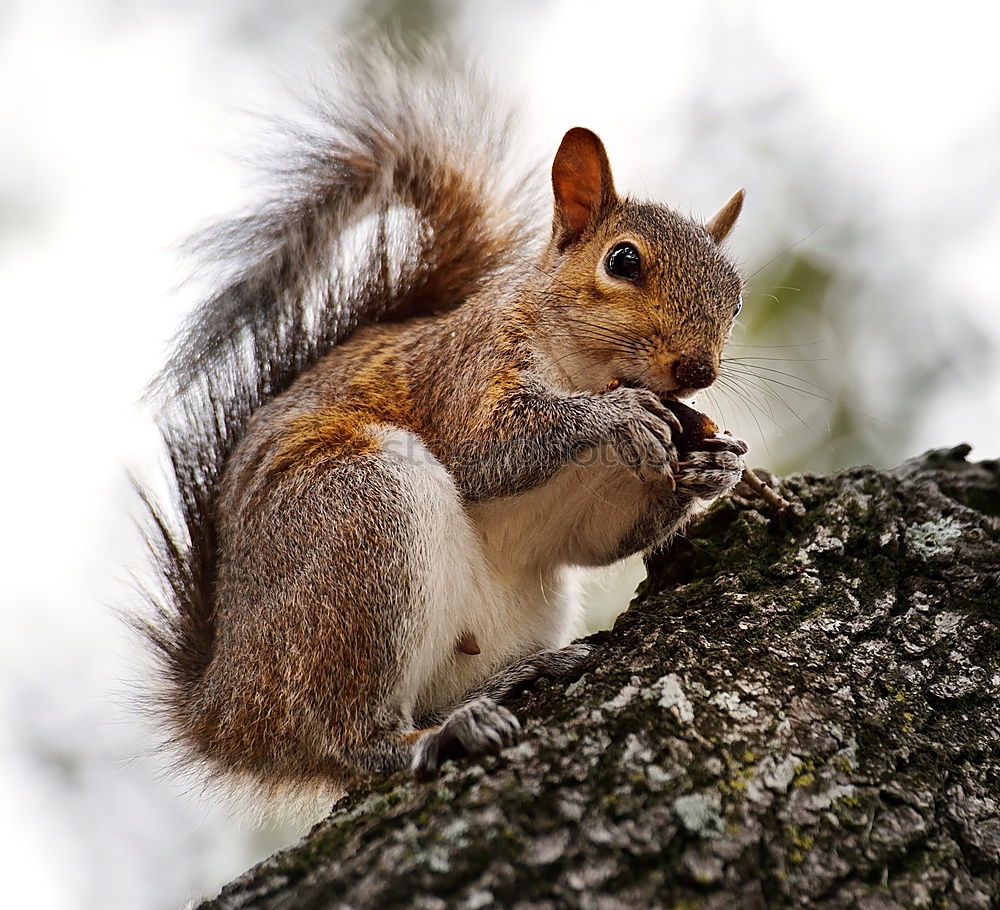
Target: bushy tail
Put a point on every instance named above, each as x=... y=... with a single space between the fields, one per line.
x=398 y=195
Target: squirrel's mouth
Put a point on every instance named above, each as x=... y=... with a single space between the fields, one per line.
x=698 y=430
x=673 y=395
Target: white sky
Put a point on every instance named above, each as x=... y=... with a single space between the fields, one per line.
x=109 y=146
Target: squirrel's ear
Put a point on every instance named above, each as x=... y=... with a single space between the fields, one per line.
x=581 y=180
x=720 y=226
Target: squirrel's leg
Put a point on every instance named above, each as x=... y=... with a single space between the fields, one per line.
x=555 y=663
x=341 y=594
x=482 y=724
x=533 y=432
x=478 y=727
x=316 y=615
x=451 y=587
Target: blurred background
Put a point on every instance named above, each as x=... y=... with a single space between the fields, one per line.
x=866 y=134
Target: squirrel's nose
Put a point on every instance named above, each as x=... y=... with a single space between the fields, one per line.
x=694 y=372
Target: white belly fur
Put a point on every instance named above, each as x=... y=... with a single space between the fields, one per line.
x=576 y=519
x=461 y=588
x=504 y=571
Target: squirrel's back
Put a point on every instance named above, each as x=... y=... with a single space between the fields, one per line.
x=399 y=194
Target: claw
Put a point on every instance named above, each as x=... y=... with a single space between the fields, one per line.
x=723 y=444
x=673 y=421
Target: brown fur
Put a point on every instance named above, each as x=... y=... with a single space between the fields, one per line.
x=451 y=379
x=327 y=433
x=408 y=739
x=314 y=609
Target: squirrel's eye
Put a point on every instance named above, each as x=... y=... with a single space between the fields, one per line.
x=624 y=261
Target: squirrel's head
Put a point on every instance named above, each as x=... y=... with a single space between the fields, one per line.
x=635 y=292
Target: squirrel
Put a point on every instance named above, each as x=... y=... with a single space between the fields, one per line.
x=408 y=415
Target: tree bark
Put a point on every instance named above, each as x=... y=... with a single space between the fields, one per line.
x=795 y=711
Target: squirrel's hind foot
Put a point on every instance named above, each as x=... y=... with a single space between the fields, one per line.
x=555 y=663
x=479 y=727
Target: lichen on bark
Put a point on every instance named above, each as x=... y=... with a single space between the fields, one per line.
x=793 y=712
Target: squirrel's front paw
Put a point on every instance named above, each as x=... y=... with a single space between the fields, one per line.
x=708 y=475
x=640 y=429
x=477 y=728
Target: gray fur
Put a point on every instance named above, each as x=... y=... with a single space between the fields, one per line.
x=360 y=227
x=357 y=510
x=478 y=727
x=555 y=663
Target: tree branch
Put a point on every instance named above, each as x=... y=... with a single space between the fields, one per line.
x=795 y=711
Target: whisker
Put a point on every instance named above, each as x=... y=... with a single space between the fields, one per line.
x=780 y=359
x=584 y=325
x=765 y=390
x=751 y=407
x=716 y=405
x=822 y=394
x=758 y=398
x=728 y=386
x=598 y=332
x=784 y=252
x=767 y=347
x=553 y=278
x=605 y=341
x=758 y=371
x=754 y=366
